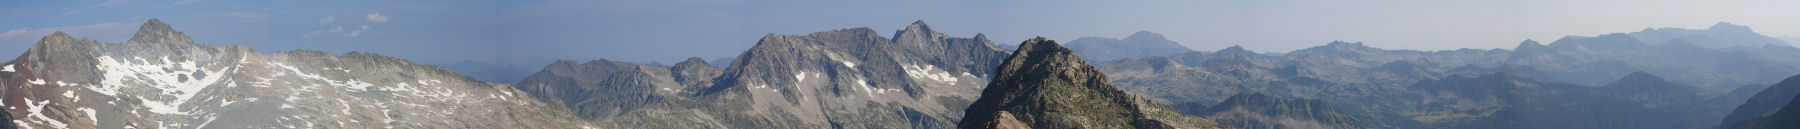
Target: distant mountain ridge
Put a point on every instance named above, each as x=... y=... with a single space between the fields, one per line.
x=1619 y=70
x=1138 y=45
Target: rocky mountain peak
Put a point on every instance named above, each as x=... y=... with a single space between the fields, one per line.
x=155 y=31
x=1044 y=85
x=1234 y=50
x=693 y=61
x=917 y=30
x=1528 y=43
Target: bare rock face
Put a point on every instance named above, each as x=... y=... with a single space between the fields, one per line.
x=848 y=78
x=601 y=89
x=161 y=79
x=1044 y=85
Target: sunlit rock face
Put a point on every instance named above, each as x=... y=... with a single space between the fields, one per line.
x=161 y=79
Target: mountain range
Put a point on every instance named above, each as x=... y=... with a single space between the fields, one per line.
x=1667 y=78
x=1607 y=81
x=847 y=78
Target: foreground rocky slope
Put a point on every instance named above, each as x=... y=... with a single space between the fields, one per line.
x=161 y=79
x=1044 y=85
x=1773 y=108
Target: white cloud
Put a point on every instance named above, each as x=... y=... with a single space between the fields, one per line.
x=315 y=33
x=376 y=17
x=339 y=31
x=328 y=20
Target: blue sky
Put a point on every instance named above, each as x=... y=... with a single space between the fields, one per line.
x=671 y=30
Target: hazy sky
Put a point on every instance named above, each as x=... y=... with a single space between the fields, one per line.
x=671 y=30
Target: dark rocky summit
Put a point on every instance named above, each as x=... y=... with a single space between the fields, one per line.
x=1773 y=108
x=1044 y=85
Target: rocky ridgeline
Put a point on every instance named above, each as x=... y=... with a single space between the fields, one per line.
x=161 y=79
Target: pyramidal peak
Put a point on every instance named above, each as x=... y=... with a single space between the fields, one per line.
x=155 y=31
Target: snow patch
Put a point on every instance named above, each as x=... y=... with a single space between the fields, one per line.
x=7 y=68
x=164 y=75
x=871 y=91
x=90 y=113
x=929 y=72
x=226 y=102
x=22 y=122
x=37 y=82
x=800 y=76
x=848 y=64
x=351 y=85
x=37 y=111
x=71 y=95
x=355 y=85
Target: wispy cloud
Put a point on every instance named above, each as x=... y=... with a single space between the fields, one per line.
x=85 y=9
x=32 y=34
x=339 y=31
x=328 y=20
x=249 y=15
x=376 y=17
x=185 y=2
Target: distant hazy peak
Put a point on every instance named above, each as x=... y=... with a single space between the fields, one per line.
x=1530 y=43
x=693 y=60
x=1725 y=26
x=1234 y=49
x=1346 y=45
x=1145 y=35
